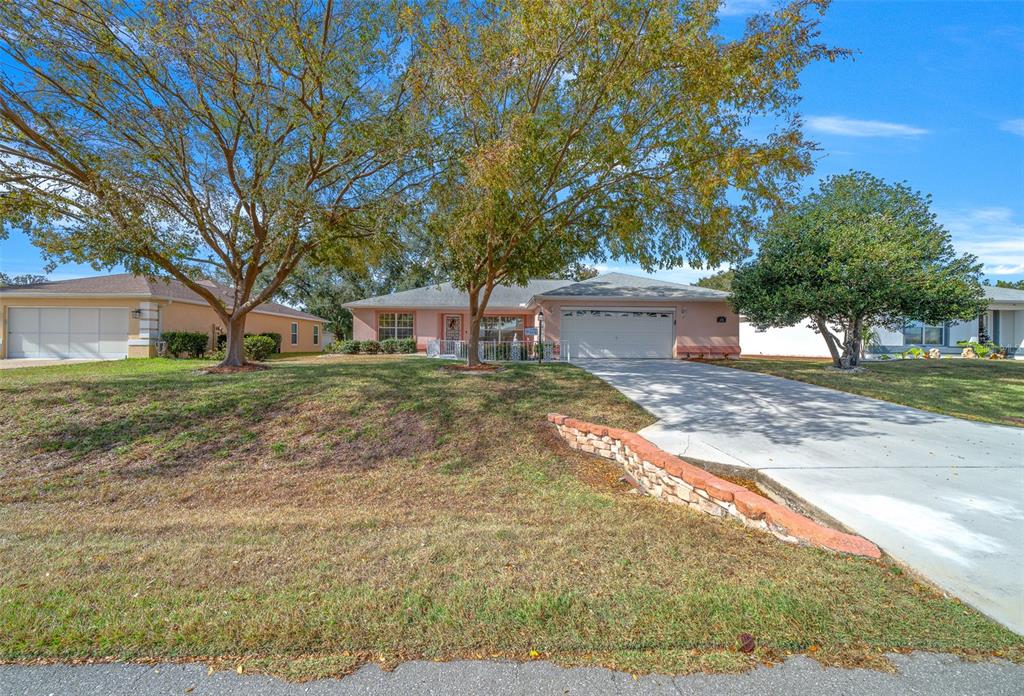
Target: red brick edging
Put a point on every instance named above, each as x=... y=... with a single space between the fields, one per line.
x=668 y=477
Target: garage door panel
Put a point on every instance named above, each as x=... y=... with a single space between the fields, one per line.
x=113 y=322
x=23 y=319
x=55 y=344
x=89 y=348
x=53 y=320
x=23 y=345
x=85 y=321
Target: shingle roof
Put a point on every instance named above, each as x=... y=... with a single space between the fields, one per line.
x=997 y=294
x=625 y=286
x=445 y=296
x=128 y=285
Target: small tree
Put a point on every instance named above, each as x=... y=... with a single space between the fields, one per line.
x=567 y=131
x=857 y=253
x=201 y=138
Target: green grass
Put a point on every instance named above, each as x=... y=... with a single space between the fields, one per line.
x=984 y=390
x=321 y=514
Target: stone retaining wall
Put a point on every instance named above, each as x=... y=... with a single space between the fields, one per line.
x=669 y=478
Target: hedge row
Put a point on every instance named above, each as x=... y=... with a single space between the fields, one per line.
x=388 y=345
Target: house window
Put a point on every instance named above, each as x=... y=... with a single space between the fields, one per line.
x=295 y=334
x=923 y=334
x=501 y=329
x=394 y=325
x=316 y=335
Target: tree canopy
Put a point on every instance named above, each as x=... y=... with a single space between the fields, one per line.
x=564 y=131
x=857 y=253
x=718 y=281
x=190 y=138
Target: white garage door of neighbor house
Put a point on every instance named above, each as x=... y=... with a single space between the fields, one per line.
x=67 y=332
x=590 y=333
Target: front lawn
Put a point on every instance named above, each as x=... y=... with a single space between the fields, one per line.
x=337 y=510
x=985 y=390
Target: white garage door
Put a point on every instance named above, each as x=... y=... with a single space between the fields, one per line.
x=589 y=333
x=67 y=332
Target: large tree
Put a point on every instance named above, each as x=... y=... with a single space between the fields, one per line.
x=572 y=130
x=197 y=138
x=857 y=253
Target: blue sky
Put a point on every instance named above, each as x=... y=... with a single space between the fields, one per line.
x=934 y=96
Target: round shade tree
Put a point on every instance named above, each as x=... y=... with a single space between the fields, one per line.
x=857 y=253
x=203 y=138
x=574 y=131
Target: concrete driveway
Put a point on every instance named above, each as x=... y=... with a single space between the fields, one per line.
x=12 y=363
x=943 y=495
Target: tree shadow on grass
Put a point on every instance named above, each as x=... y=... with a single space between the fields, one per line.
x=728 y=402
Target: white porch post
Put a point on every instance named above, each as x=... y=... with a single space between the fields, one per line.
x=149 y=331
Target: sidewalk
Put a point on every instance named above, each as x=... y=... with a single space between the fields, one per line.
x=921 y=673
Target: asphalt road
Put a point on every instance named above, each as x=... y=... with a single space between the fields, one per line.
x=943 y=495
x=921 y=673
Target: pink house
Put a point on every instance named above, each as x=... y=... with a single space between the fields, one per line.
x=611 y=316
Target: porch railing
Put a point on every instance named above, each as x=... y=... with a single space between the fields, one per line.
x=496 y=351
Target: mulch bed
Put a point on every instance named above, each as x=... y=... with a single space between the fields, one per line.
x=231 y=369
x=483 y=368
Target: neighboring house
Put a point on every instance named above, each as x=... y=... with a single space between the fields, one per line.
x=123 y=315
x=1002 y=324
x=611 y=316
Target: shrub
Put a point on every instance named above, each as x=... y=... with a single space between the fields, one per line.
x=259 y=347
x=191 y=343
x=222 y=339
x=370 y=347
x=276 y=337
x=348 y=347
x=407 y=345
x=389 y=345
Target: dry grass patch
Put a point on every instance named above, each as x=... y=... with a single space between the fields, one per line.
x=331 y=511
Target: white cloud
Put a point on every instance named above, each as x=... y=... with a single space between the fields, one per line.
x=1013 y=125
x=856 y=128
x=993 y=234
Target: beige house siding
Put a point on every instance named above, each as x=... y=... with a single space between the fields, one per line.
x=173 y=316
x=184 y=316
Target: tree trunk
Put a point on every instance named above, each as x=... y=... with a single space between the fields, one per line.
x=851 y=344
x=830 y=341
x=473 y=354
x=234 y=354
x=856 y=342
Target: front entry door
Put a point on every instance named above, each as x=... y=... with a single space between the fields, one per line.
x=453 y=327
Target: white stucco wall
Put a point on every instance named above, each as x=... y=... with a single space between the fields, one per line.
x=798 y=341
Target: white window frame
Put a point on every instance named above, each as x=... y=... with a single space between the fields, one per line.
x=316 y=334
x=294 y=336
x=397 y=327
